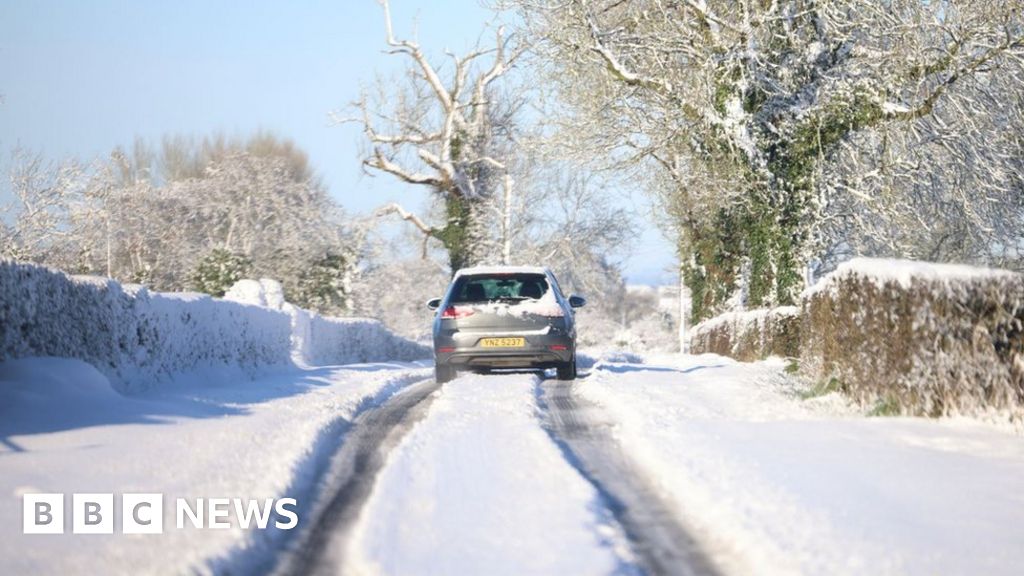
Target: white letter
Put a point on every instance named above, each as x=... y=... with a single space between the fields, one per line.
x=142 y=513
x=196 y=517
x=253 y=509
x=219 y=509
x=42 y=514
x=279 y=507
x=92 y=513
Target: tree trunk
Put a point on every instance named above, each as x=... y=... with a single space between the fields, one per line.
x=457 y=236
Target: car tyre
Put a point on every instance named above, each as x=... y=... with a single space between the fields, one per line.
x=567 y=371
x=443 y=373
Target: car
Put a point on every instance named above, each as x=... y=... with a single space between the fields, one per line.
x=504 y=317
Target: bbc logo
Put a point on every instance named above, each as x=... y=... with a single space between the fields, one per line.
x=144 y=513
x=93 y=513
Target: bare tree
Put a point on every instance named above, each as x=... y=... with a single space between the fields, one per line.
x=445 y=131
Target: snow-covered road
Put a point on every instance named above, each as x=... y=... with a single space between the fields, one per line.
x=478 y=487
x=684 y=465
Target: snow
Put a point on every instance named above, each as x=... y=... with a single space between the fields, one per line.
x=773 y=485
x=894 y=108
x=767 y=483
x=264 y=292
x=741 y=320
x=546 y=305
x=478 y=487
x=905 y=272
x=736 y=123
x=484 y=270
x=64 y=429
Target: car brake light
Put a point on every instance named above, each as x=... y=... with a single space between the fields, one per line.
x=453 y=312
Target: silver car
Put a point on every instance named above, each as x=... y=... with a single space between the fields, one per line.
x=504 y=317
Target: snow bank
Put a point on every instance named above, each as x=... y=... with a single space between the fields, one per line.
x=920 y=338
x=750 y=335
x=133 y=336
x=139 y=338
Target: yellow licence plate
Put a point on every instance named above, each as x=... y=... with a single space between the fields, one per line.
x=502 y=342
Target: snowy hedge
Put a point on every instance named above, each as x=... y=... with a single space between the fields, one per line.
x=138 y=338
x=750 y=335
x=132 y=335
x=934 y=339
x=320 y=339
x=928 y=338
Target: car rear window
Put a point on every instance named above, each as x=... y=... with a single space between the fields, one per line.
x=497 y=287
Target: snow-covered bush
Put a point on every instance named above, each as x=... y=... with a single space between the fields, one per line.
x=933 y=339
x=750 y=335
x=219 y=270
x=139 y=338
x=135 y=337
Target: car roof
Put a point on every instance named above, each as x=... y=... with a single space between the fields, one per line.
x=483 y=270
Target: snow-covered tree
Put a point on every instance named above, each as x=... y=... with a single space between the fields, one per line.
x=191 y=215
x=747 y=107
x=443 y=128
x=33 y=224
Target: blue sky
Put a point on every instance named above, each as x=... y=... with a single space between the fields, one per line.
x=79 y=78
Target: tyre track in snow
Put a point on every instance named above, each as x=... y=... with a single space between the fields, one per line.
x=350 y=480
x=661 y=544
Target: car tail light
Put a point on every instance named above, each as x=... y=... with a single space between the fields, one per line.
x=446 y=349
x=454 y=312
x=558 y=347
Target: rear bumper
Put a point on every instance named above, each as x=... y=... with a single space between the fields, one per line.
x=466 y=352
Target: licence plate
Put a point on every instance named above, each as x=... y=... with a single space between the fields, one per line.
x=502 y=342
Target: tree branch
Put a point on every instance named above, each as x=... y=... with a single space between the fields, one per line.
x=413 y=50
x=381 y=162
x=395 y=208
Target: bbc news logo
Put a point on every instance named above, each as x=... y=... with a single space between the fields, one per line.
x=144 y=513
